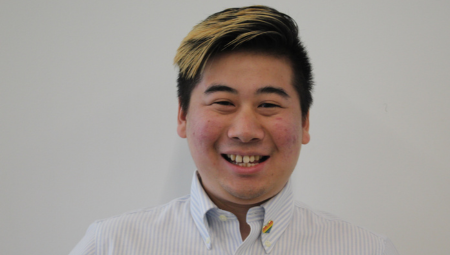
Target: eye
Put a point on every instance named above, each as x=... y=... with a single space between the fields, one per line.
x=268 y=105
x=225 y=103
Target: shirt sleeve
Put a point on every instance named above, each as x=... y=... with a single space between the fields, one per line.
x=87 y=244
x=389 y=248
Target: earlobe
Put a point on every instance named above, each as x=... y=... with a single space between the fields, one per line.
x=181 y=127
x=305 y=126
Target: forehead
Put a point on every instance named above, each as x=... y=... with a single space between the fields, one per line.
x=243 y=69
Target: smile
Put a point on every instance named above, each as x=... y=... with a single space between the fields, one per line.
x=245 y=161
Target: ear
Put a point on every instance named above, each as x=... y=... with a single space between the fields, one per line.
x=305 y=126
x=181 y=127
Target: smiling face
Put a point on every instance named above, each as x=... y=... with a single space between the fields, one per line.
x=244 y=127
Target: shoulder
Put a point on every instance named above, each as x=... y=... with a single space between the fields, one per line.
x=150 y=216
x=323 y=227
x=156 y=213
x=140 y=227
x=317 y=218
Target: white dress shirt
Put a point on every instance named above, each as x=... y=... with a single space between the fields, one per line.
x=194 y=225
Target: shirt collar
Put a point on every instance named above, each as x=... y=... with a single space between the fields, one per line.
x=200 y=205
x=278 y=210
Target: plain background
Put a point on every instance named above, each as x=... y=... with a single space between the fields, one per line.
x=88 y=115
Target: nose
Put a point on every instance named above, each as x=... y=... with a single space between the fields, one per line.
x=246 y=127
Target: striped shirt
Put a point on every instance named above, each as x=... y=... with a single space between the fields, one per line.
x=195 y=225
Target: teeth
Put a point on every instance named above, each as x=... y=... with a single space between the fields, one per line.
x=245 y=161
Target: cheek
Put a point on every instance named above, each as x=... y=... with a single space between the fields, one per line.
x=203 y=132
x=287 y=136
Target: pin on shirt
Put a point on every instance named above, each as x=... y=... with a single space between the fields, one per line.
x=266 y=229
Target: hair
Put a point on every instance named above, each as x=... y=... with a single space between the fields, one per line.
x=258 y=29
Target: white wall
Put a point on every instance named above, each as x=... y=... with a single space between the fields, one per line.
x=88 y=115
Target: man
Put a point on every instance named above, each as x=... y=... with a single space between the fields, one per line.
x=244 y=92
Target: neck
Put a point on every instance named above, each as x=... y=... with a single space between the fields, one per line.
x=240 y=210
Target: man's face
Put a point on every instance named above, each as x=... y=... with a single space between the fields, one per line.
x=244 y=127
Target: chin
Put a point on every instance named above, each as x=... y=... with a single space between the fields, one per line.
x=248 y=194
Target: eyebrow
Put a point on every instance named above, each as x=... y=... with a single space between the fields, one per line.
x=263 y=90
x=219 y=87
x=273 y=90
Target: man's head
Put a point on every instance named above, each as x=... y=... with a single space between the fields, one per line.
x=244 y=77
x=254 y=28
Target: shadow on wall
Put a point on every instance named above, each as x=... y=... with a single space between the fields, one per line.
x=181 y=170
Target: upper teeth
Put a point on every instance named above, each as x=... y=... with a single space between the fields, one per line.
x=243 y=159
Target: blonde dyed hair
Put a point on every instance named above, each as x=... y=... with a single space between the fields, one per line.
x=224 y=31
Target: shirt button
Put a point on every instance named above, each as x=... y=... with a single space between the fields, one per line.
x=223 y=217
x=267 y=243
